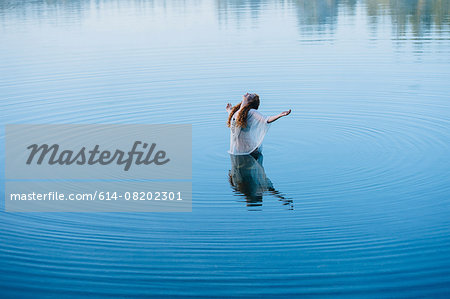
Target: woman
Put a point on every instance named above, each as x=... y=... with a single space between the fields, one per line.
x=248 y=126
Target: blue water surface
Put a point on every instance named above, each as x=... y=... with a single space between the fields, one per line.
x=357 y=200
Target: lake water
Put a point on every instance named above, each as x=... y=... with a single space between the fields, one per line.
x=360 y=204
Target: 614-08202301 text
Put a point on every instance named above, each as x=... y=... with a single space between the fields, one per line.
x=99 y=195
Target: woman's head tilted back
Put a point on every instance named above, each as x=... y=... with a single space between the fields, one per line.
x=249 y=101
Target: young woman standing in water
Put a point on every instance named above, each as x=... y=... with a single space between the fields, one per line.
x=248 y=127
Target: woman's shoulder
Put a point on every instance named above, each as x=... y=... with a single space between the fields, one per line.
x=256 y=115
x=254 y=112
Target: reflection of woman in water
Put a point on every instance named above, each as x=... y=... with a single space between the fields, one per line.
x=248 y=127
x=247 y=176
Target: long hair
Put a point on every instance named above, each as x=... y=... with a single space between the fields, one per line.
x=241 y=118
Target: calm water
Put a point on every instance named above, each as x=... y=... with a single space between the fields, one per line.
x=359 y=199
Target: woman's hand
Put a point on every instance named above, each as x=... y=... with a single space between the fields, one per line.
x=285 y=113
x=229 y=106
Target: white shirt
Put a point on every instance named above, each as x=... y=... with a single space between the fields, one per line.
x=244 y=141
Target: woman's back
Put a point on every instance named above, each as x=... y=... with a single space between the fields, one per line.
x=244 y=141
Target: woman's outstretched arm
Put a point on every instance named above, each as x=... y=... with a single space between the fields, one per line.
x=271 y=119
